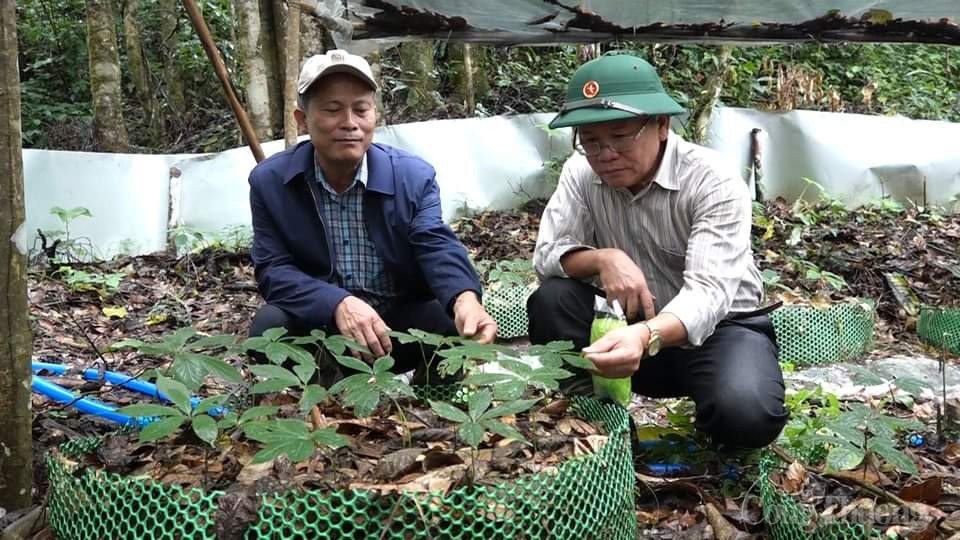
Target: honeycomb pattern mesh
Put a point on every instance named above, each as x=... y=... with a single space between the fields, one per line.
x=508 y=306
x=589 y=496
x=940 y=327
x=786 y=519
x=808 y=335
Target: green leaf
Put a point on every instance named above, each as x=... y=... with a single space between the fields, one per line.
x=176 y=392
x=449 y=412
x=295 y=450
x=188 y=371
x=267 y=387
x=227 y=421
x=900 y=460
x=578 y=361
x=273 y=334
x=383 y=364
x=504 y=430
x=127 y=344
x=472 y=433
x=363 y=401
x=513 y=407
x=258 y=411
x=305 y=371
x=161 y=428
x=487 y=379
x=329 y=437
x=220 y=369
x=205 y=428
x=213 y=342
x=509 y=391
x=277 y=373
x=353 y=383
x=478 y=403
x=312 y=394
x=146 y=409
x=279 y=352
x=209 y=403
x=516 y=366
x=353 y=363
x=844 y=458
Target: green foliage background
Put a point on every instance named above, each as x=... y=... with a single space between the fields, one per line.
x=918 y=81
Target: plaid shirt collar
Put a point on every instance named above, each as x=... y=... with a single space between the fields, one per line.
x=360 y=176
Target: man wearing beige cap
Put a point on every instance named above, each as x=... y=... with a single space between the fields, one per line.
x=348 y=235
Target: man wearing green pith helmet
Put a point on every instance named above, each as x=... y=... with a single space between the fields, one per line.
x=663 y=226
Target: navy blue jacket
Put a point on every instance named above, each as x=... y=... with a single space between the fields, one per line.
x=292 y=253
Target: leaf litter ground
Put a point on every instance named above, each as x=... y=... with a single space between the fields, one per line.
x=214 y=291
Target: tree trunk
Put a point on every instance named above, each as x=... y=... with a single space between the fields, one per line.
x=139 y=70
x=109 y=132
x=291 y=63
x=172 y=73
x=469 y=66
x=254 y=67
x=416 y=60
x=271 y=30
x=16 y=454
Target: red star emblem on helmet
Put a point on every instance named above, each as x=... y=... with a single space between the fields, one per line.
x=591 y=89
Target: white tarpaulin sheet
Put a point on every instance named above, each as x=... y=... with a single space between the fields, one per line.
x=481 y=163
x=855 y=158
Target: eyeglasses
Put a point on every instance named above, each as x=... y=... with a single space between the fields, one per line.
x=618 y=144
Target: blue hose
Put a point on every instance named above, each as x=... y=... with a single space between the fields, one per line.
x=93 y=406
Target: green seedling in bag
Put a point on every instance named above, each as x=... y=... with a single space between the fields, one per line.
x=607 y=317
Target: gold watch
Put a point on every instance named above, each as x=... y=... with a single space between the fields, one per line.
x=653 y=342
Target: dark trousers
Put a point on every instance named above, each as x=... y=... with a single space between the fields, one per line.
x=428 y=316
x=733 y=378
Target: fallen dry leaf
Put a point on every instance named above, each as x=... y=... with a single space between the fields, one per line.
x=795 y=478
x=928 y=533
x=928 y=491
x=952 y=453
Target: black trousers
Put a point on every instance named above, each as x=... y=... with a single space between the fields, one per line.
x=427 y=315
x=733 y=378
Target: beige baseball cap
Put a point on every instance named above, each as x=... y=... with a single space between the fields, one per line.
x=334 y=61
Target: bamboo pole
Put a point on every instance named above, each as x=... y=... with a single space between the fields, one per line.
x=200 y=25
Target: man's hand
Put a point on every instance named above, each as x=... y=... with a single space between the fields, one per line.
x=358 y=320
x=472 y=320
x=618 y=353
x=623 y=280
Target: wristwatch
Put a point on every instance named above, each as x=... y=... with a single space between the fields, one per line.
x=653 y=342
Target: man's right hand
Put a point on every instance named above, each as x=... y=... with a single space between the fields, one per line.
x=623 y=280
x=358 y=320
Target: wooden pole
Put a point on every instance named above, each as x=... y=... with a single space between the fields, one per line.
x=200 y=25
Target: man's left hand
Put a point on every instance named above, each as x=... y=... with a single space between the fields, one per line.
x=472 y=320
x=618 y=353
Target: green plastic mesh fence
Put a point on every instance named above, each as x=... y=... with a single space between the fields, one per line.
x=940 y=327
x=808 y=335
x=786 y=519
x=589 y=496
x=507 y=304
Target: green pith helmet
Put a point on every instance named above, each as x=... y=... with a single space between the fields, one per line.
x=614 y=87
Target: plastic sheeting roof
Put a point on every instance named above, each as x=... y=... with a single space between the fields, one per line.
x=546 y=21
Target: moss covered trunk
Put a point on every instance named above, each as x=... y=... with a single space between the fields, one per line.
x=109 y=131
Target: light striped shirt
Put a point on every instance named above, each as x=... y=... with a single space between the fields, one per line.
x=688 y=231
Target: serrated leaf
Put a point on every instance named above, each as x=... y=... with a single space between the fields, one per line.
x=267 y=387
x=147 y=409
x=363 y=401
x=161 y=428
x=187 y=371
x=513 y=407
x=209 y=403
x=221 y=369
x=329 y=437
x=383 y=364
x=353 y=363
x=478 y=403
x=472 y=433
x=214 y=342
x=259 y=410
x=844 y=458
x=278 y=373
x=579 y=361
x=273 y=334
x=127 y=344
x=504 y=430
x=520 y=368
x=312 y=394
x=897 y=458
x=205 y=428
x=296 y=450
x=487 y=379
x=449 y=412
x=305 y=371
x=176 y=392
x=509 y=391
